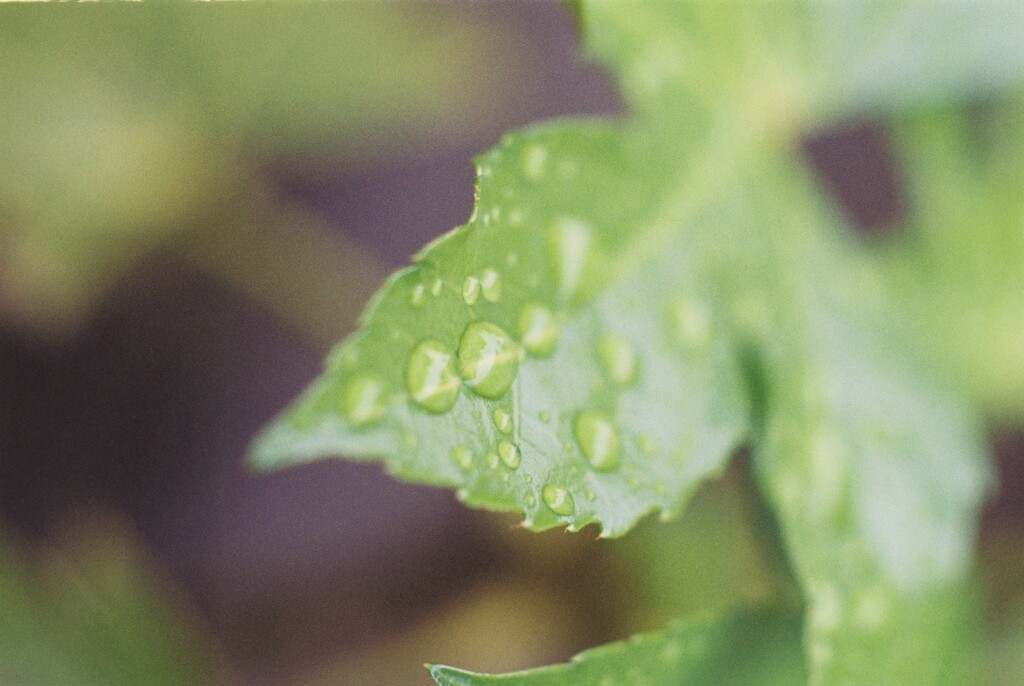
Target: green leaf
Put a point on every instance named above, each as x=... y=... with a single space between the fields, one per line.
x=958 y=272
x=874 y=467
x=92 y=611
x=739 y=649
x=703 y=292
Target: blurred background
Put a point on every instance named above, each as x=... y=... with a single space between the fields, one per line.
x=194 y=206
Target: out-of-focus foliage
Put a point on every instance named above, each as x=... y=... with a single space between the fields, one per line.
x=91 y=611
x=958 y=272
x=631 y=299
x=124 y=125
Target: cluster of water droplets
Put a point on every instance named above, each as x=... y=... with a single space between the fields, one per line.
x=487 y=358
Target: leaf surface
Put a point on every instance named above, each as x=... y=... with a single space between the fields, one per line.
x=738 y=649
x=704 y=292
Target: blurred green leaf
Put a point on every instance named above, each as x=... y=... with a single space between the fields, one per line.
x=631 y=299
x=958 y=272
x=91 y=612
x=740 y=649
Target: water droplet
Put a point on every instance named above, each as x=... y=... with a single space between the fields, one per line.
x=435 y=288
x=471 y=290
x=531 y=500
x=647 y=445
x=598 y=439
x=490 y=285
x=558 y=499
x=690 y=321
x=528 y=479
x=569 y=242
x=512 y=259
x=590 y=495
x=535 y=158
x=504 y=477
x=492 y=459
x=430 y=376
x=872 y=609
x=538 y=330
x=362 y=402
x=544 y=416
x=488 y=359
x=672 y=651
x=418 y=295
x=509 y=454
x=618 y=358
x=462 y=456
x=502 y=421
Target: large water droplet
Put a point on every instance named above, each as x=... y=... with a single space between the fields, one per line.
x=502 y=421
x=598 y=439
x=462 y=456
x=490 y=285
x=509 y=454
x=618 y=358
x=647 y=445
x=559 y=499
x=569 y=243
x=418 y=295
x=471 y=290
x=488 y=359
x=362 y=401
x=535 y=158
x=538 y=330
x=690 y=321
x=430 y=376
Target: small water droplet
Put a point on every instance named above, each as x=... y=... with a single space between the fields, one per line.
x=528 y=479
x=502 y=421
x=538 y=330
x=598 y=439
x=362 y=402
x=590 y=495
x=512 y=259
x=430 y=376
x=462 y=456
x=660 y=488
x=558 y=499
x=471 y=290
x=647 y=445
x=418 y=295
x=488 y=359
x=509 y=454
x=544 y=416
x=490 y=285
x=618 y=358
x=504 y=477
x=569 y=243
x=535 y=158
x=531 y=500
x=435 y=288
x=492 y=459
x=690 y=321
